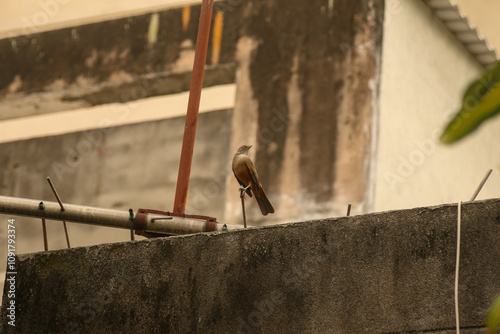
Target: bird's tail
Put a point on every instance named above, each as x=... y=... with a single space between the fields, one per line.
x=264 y=204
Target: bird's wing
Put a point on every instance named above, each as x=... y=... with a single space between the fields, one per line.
x=254 y=177
x=242 y=184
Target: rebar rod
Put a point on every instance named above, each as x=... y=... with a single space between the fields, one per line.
x=45 y=240
x=56 y=194
x=483 y=181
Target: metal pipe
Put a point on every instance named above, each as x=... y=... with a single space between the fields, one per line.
x=107 y=217
x=73 y=213
x=193 y=106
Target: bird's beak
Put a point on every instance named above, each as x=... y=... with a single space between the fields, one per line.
x=250 y=146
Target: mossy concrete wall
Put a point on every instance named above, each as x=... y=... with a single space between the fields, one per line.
x=390 y=272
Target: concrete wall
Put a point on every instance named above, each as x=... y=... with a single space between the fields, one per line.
x=306 y=90
x=389 y=272
x=424 y=74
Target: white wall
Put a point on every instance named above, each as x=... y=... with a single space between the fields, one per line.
x=484 y=17
x=424 y=73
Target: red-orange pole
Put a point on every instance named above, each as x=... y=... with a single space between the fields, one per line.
x=193 y=106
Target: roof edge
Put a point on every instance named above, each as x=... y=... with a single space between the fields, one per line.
x=449 y=13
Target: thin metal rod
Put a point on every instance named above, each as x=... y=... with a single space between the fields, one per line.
x=193 y=106
x=62 y=209
x=349 y=210
x=242 y=196
x=66 y=233
x=45 y=241
x=457 y=267
x=107 y=217
x=55 y=193
x=473 y=198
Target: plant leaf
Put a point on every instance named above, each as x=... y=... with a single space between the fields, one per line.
x=493 y=318
x=480 y=102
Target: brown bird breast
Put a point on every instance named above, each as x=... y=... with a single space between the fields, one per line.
x=241 y=170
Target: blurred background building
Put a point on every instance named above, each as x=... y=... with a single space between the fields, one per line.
x=343 y=101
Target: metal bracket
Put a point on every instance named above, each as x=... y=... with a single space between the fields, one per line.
x=142 y=214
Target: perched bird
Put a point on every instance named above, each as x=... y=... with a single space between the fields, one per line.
x=246 y=174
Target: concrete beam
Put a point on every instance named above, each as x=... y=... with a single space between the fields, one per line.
x=137 y=57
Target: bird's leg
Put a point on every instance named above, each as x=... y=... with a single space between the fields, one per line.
x=243 y=190
x=242 y=195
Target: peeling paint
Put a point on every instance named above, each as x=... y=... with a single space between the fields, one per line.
x=13 y=44
x=186 y=16
x=120 y=75
x=83 y=80
x=91 y=60
x=186 y=56
x=15 y=84
x=57 y=84
x=74 y=34
x=110 y=57
x=139 y=44
x=154 y=26
x=217 y=36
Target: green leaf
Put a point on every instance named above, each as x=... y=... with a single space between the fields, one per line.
x=493 y=319
x=480 y=102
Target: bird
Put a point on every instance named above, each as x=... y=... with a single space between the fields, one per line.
x=246 y=174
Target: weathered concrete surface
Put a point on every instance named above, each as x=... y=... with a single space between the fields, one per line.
x=132 y=166
x=121 y=167
x=309 y=87
x=309 y=82
x=80 y=66
x=83 y=54
x=389 y=272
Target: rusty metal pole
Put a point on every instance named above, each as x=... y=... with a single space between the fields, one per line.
x=193 y=106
